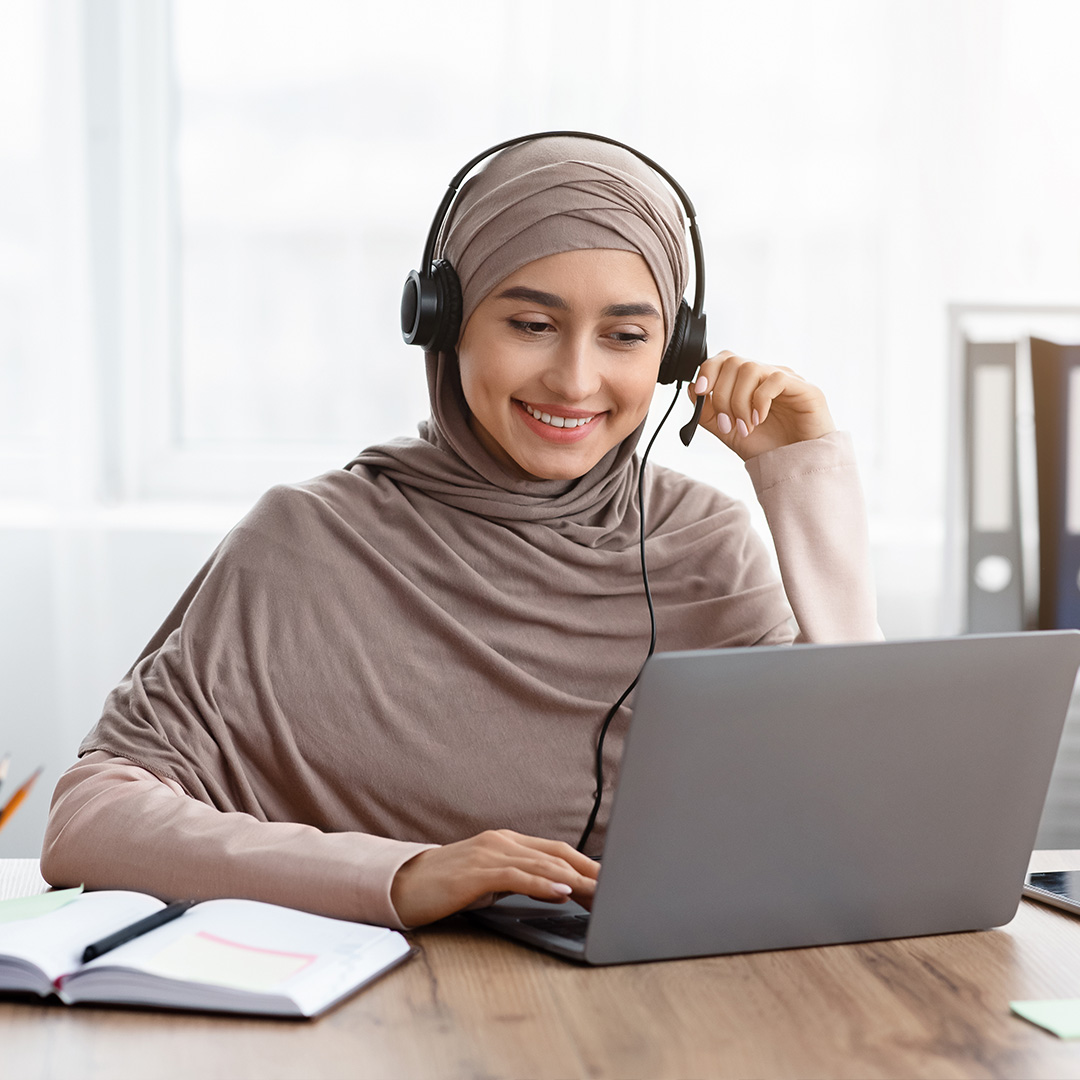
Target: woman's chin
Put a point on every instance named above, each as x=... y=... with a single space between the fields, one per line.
x=556 y=466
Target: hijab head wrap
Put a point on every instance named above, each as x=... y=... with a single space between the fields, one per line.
x=421 y=645
x=559 y=194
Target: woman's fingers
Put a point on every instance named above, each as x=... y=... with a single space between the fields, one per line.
x=712 y=418
x=538 y=886
x=588 y=870
x=737 y=388
x=443 y=880
x=755 y=390
x=748 y=379
x=585 y=866
x=742 y=397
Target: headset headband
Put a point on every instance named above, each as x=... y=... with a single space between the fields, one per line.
x=688 y=206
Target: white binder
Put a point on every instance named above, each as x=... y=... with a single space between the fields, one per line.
x=995 y=578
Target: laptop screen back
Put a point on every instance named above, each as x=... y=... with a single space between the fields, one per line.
x=805 y=795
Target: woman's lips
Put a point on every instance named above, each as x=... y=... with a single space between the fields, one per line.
x=583 y=421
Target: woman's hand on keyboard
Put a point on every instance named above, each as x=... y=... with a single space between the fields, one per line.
x=475 y=872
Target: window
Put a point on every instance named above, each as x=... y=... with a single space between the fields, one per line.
x=40 y=312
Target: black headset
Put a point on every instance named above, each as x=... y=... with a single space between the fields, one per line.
x=431 y=299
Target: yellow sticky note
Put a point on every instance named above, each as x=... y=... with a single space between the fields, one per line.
x=30 y=907
x=207 y=958
x=1061 y=1016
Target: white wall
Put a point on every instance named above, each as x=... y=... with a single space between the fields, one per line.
x=80 y=601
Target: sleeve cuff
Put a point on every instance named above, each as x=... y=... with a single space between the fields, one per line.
x=382 y=860
x=799 y=460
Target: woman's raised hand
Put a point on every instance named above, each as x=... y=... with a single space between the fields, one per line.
x=753 y=407
x=443 y=880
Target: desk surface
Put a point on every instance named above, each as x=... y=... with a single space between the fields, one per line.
x=474 y=1005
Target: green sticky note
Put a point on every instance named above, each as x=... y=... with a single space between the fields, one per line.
x=29 y=907
x=1062 y=1016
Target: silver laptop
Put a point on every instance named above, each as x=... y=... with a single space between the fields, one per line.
x=807 y=795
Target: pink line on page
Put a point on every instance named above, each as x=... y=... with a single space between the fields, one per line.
x=306 y=957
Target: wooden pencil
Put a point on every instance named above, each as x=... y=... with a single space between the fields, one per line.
x=16 y=800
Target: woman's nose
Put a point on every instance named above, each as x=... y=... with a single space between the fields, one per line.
x=574 y=371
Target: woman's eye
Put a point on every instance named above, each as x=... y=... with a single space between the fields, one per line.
x=530 y=327
x=626 y=338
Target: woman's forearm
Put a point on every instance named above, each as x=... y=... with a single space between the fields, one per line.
x=813 y=501
x=114 y=825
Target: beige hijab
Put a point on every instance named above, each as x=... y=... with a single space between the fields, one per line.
x=420 y=645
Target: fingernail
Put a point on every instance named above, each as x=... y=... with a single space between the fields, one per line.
x=723 y=422
x=741 y=428
x=756 y=419
x=559 y=887
x=701 y=386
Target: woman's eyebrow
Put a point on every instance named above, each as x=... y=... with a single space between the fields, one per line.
x=534 y=296
x=551 y=300
x=629 y=310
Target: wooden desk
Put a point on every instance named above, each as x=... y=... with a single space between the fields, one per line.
x=473 y=1005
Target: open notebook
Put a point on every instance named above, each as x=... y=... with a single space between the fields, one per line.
x=237 y=956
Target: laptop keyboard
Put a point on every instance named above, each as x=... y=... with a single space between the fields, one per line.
x=573 y=927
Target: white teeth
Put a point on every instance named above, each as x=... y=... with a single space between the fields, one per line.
x=558 y=421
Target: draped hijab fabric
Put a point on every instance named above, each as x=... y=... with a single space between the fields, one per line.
x=420 y=645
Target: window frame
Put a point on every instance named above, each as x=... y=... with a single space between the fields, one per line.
x=137 y=265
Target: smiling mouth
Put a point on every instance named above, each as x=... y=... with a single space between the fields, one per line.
x=553 y=420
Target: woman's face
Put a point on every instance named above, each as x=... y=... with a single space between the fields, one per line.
x=559 y=361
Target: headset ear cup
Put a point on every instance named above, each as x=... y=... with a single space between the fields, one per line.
x=669 y=365
x=431 y=308
x=686 y=350
x=419 y=309
x=450 y=307
x=410 y=307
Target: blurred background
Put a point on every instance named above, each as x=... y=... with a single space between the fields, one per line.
x=208 y=208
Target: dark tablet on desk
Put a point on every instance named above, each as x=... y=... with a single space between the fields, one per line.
x=1059 y=887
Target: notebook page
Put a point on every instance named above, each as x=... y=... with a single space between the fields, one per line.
x=55 y=941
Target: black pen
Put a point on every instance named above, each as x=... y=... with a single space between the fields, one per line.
x=136 y=929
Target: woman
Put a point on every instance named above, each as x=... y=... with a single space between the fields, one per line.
x=380 y=698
